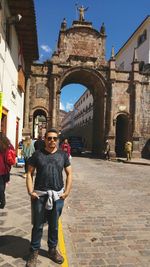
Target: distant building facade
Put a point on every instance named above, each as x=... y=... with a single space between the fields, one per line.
x=62 y=114
x=81 y=121
x=83 y=109
x=67 y=123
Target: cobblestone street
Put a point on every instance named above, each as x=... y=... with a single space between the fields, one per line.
x=106 y=219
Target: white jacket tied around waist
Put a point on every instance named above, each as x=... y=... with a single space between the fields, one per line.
x=52 y=196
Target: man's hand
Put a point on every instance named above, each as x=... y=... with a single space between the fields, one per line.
x=63 y=196
x=33 y=195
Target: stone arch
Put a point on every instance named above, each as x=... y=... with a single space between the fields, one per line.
x=80 y=57
x=39 y=121
x=66 y=76
x=97 y=84
x=122 y=123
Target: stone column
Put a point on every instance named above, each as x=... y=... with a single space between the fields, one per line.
x=58 y=108
x=54 y=109
x=136 y=119
x=26 y=129
x=136 y=102
x=111 y=123
x=98 y=122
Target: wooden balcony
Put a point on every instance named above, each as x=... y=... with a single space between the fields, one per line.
x=21 y=79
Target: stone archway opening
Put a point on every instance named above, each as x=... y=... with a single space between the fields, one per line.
x=95 y=84
x=39 y=123
x=77 y=101
x=122 y=130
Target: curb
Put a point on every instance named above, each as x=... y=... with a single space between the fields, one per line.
x=133 y=162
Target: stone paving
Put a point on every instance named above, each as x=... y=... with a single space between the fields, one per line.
x=15 y=226
x=106 y=219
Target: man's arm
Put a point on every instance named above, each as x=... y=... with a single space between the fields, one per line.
x=29 y=182
x=68 y=171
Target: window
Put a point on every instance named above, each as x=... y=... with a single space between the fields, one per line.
x=142 y=38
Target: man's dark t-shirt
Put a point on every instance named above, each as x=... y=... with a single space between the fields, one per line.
x=49 y=167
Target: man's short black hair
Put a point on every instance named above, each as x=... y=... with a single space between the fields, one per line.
x=52 y=130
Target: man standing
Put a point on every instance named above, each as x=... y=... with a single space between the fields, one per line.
x=39 y=143
x=107 y=150
x=128 y=149
x=47 y=194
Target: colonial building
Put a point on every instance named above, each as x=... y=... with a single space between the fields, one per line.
x=83 y=109
x=121 y=103
x=18 y=49
x=68 y=123
x=62 y=114
x=139 y=40
x=80 y=123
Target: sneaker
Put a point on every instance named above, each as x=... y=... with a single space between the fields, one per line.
x=32 y=260
x=55 y=256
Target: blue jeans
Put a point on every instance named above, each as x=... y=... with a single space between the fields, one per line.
x=41 y=215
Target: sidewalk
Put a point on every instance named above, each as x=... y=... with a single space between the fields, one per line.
x=15 y=226
x=139 y=161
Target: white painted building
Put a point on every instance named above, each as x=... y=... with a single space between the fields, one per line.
x=140 y=40
x=67 y=122
x=79 y=121
x=83 y=109
x=81 y=114
x=15 y=59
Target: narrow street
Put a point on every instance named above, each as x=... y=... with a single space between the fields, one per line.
x=106 y=219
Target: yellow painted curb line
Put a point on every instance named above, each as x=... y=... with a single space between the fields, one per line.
x=61 y=244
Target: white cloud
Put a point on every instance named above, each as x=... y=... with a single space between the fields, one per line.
x=62 y=107
x=41 y=56
x=69 y=106
x=46 y=48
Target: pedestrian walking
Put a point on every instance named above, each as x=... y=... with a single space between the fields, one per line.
x=66 y=147
x=39 y=143
x=7 y=159
x=128 y=150
x=107 y=150
x=47 y=194
x=27 y=151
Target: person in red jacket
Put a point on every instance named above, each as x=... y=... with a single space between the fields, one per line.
x=7 y=159
x=66 y=147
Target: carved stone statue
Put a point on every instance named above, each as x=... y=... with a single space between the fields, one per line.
x=81 y=10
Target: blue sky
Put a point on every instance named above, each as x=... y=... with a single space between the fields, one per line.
x=121 y=18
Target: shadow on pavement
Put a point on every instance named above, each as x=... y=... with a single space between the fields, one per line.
x=14 y=246
x=43 y=253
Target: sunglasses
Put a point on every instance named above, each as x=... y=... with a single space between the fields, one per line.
x=50 y=138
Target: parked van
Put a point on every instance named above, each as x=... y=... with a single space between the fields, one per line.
x=76 y=144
